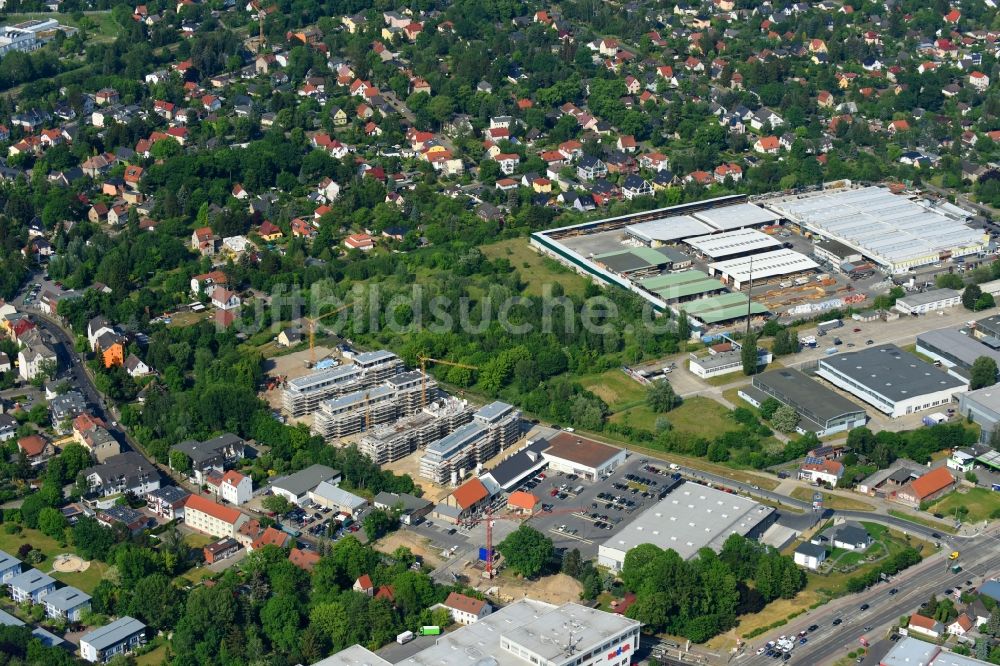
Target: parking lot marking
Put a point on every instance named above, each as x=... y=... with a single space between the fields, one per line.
x=570 y=536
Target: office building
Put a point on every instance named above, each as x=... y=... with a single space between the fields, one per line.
x=492 y=429
x=303 y=395
x=688 y=519
x=820 y=409
x=390 y=442
x=397 y=397
x=893 y=381
x=928 y=301
x=983 y=407
x=523 y=633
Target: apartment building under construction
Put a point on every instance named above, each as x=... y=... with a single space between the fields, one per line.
x=390 y=442
x=303 y=395
x=492 y=429
x=396 y=397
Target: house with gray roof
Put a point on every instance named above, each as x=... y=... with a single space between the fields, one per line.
x=10 y=566
x=295 y=487
x=67 y=603
x=211 y=455
x=32 y=585
x=120 y=637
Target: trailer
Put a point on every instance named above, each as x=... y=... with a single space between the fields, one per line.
x=934 y=419
x=405 y=637
x=830 y=325
x=430 y=631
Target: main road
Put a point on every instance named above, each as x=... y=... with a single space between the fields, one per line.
x=979 y=559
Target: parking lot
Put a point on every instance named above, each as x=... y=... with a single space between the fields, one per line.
x=319 y=521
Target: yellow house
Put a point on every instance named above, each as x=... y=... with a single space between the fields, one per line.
x=541 y=185
x=269 y=231
x=339 y=117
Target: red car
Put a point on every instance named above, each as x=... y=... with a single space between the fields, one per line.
x=857 y=330
x=354 y=528
x=554 y=492
x=541 y=476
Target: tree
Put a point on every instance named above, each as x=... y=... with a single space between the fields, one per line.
x=949 y=281
x=180 y=461
x=785 y=418
x=768 y=408
x=52 y=522
x=378 y=523
x=983 y=373
x=571 y=563
x=660 y=396
x=785 y=343
x=277 y=504
x=526 y=551
x=970 y=296
x=748 y=354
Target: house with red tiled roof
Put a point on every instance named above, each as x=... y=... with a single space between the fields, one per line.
x=953 y=16
x=961 y=626
x=464 y=501
x=769 y=145
x=362 y=242
x=523 y=502
x=828 y=472
x=269 y=231
x=465 y=609
x=208 y=517
x=304 y=559
x=925 y=625
x=35 y=448
x=271 y=537
x=925 y=488
x=364 y=585
x=386 y=592
x=898 y=126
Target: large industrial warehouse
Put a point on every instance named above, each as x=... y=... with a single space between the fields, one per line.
x=890 y=230
x=763 y=267
x=893 y=381
x=732 y=244
x=688 y=519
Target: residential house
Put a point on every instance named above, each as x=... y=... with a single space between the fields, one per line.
x=202 y=458
x=962 y=625
x=465 y=609
x=809 y=555
x=271 y=536
x=364 y=585
x=206 y=281
x=363 y=242
x=224 y=299
x=220 y=550
x=636 y=186
x=34 y=359
x=122 y=636
x=35 y=448
x=209 y=517
x=127 y=517
x=269 y=232
x=827 y=471
x=31 y=586
x=91 y=433
x=925 y=625
x=304 y=559
x=136 y=367
x=851 y=536
x=931 y=485
x=8 y=427
x=203 y=241
x=231 y=487
x=167 y=501
x=123 y=473
x=768 y=145
x=10 y=566
x=591 y=168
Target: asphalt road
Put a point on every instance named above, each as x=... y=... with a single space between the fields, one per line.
x=979 y=560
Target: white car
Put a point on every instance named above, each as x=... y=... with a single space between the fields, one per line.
x=761 y=650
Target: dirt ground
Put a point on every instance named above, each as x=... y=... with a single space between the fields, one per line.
x=294 y=365
x=557 y=589
x=417 y=544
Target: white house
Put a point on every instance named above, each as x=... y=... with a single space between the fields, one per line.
x=10 y=566
x=828 y=472
x=925 y=625
x=31 y=360
x=852 y=536
x=224 y=299
x=235 y=488
x=120 y=637
x=465 y=609
x=810 y=556
x=67 y=603
x=32 y=585
x=961 y=626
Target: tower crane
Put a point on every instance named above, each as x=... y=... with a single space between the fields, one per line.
x=423 y=374
x=489 y=517
x=312 y=329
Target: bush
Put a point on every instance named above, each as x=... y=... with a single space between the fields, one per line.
x=12 y=528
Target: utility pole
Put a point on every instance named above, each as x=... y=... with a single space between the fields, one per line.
x=749 y=299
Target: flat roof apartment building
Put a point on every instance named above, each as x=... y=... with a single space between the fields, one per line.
x=120 y=637
x=303 y=395
x=493 y=428
x=208 y=517
x=391 y=441
x=397 y=397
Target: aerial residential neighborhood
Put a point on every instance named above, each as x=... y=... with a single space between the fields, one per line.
x=465 y=332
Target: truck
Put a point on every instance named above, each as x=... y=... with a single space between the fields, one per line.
x=430 y=631
x=829 y=325
x=674 y=466
x=405 y=637
x=934 y=419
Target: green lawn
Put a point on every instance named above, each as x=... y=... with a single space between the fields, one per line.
x=615 y=388
x=980 y=502
x=85 y=580
x=831 y=501
x=101 y=25
x=535 y=269
x=198 y=540
x=154 y=657
x=926 y=522
x=699 y=416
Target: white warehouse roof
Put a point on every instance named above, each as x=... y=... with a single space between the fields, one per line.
x=764 y=265
x=668 y=229
x=725 y=218
x=728 y=243
x=889 y=229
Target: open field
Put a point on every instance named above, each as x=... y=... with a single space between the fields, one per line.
x=832 y=501
x=980 y=502
x=154 y=657
x=197 y=540
x=417 y=544
x=698 y=416
x=85 y=580
x=615 y=388
x=536 y=270
x=100 y=25
x=184 y=319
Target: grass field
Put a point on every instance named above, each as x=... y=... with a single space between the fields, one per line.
x=615 y=388
x=926 y=522
x=831 y=501
x=699 y=416
x=85 y=580
x=99 y=24
x=197 y=540
x=980 y=502
x=535 y=269
x=154 y=657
